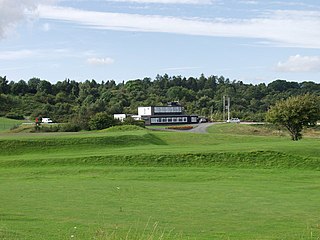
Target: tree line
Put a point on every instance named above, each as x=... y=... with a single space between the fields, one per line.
x=72 y=101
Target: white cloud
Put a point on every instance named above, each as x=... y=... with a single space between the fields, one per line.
x=299 y=63
x=17 y=55
x=100 y=61
x=39 y=54
x=169 y=1
x=285 y=28
x=12 y=12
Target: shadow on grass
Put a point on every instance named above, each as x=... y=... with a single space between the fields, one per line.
x=18 y=147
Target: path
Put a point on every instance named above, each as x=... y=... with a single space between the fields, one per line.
x=200 y=128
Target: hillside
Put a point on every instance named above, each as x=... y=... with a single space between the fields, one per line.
x=76 y=102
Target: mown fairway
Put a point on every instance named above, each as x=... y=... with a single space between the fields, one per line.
x=238 y=182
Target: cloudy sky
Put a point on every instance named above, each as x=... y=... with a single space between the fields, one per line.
x=249 y=40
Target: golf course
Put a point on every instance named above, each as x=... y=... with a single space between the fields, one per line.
x=234 y=182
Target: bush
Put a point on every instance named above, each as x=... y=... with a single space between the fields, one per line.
x=131 y=121
x=102 y=121
x=69 y=127
x=81 y=121
x=47 y=128
x=14 y=116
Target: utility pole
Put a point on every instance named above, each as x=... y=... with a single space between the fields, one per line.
x=226 y=105
x=224 y=108
x=228 y=108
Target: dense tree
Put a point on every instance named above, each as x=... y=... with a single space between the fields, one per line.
x=33 y=85
x=4 y=87
x=44 y=87
x=178 y=93
x=19 y=88
x=102 y=121
x=283 y=85
x=295 y=113
x=78 y=101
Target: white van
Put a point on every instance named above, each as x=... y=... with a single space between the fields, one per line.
x=46 y=120
x=233 y=120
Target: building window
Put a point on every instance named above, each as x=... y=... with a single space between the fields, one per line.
x=194 y=119
x=167 y=109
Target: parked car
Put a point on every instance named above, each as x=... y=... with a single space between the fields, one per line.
x=233 y=120
x=203 y=120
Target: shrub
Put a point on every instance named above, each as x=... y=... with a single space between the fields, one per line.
x=69 y=127
x=49 y=128
x=14 y=116
x=102 y=121
x=131 y=121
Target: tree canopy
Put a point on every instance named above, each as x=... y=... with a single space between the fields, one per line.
x=295 y=113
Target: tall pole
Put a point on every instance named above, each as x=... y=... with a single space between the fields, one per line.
x=228 y=108
x=224 y=108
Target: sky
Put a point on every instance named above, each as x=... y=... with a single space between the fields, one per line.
x=254 y=41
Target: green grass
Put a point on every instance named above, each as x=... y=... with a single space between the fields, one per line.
x=200 y=203
x=237 y=182
x=7 y=124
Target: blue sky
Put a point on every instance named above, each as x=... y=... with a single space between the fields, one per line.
x=252 y=41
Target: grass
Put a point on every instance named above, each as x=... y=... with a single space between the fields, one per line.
x=7 y=124
x=199 y=203
x=237 y=182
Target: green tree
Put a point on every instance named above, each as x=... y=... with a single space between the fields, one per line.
x=4 y=87
x=177 y=93
x=33 y=85
x=19 y=88
x=44 y=87
x=295 y=113
x=102 y=121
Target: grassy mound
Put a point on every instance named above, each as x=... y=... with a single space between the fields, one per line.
x=7 y=124
x=123 y=128
x=38 y=145
x=256 y=159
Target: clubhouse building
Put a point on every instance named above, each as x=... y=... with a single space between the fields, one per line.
x=173 y=113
